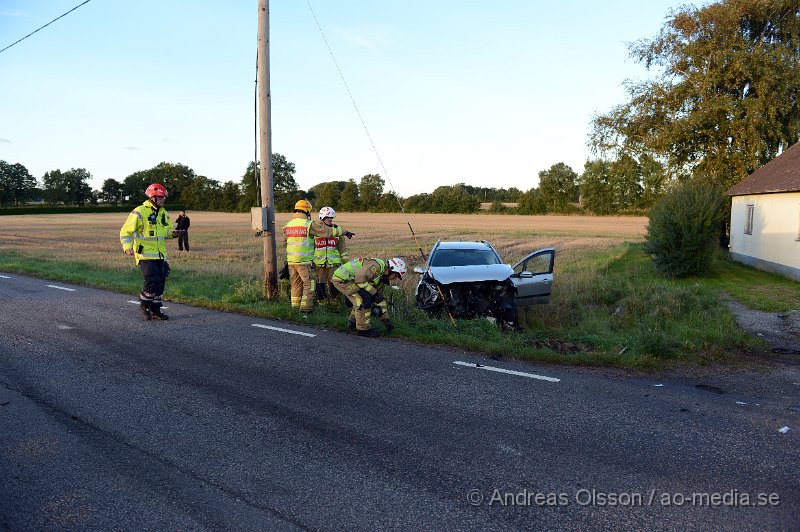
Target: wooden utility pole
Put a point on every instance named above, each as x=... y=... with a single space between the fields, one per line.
x=265 y=155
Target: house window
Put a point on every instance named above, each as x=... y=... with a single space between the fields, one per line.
x=748 y=223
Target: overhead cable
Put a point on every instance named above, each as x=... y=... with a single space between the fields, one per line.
x=31 y=33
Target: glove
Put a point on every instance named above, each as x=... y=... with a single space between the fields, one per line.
x=376 y=311
x=389 y=325
x=377 y=298
x=284 y=273
x=349 y=234
x=366 y=299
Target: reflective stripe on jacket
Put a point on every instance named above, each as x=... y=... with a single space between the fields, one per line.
x=329 y=251
x=299 y=245
x=145 y=232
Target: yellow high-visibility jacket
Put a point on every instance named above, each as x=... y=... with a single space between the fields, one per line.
x=364 y=272
x=145 y=231
x=299 y=234
x=329 y=252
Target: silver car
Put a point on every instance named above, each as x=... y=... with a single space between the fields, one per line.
x=469 y=279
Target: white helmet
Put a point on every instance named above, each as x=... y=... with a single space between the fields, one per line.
x=397 y=265
x=327 y=212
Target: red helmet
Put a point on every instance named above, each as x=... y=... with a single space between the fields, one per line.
x=156 y=191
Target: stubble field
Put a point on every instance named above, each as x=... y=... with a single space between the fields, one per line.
x=223 y=243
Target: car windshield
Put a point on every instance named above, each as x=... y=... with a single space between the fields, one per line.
x=463 y=257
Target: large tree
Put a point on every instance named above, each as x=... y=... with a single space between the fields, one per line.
x=17 y=185
x=70 y=187
x=112 y=191
x=349 y=200
x=369 y=190
x=558 y=188
x=174 y=176
x=726 y=98
x=285 y=189
x=597 y=194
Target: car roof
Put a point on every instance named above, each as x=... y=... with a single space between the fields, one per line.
x=464 y=245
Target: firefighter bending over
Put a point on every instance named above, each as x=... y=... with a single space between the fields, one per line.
x=299 y=235
x=362 y=282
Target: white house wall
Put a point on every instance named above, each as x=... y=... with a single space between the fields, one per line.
x=773 y=244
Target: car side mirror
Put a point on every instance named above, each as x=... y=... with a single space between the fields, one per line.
x=419 y=269
x=526 y=274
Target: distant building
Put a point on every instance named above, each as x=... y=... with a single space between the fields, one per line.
x=765 y=216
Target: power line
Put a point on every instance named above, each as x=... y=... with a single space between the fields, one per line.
x=31 y=33
x=366 y=130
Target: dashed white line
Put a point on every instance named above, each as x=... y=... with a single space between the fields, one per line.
x=4 y=277
x=283 y=330
x=61 y=288
x=508 y=371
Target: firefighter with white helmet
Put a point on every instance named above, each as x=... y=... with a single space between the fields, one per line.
x=329 y=254
x=362 y=282
x=144 y=236
x=299 y=237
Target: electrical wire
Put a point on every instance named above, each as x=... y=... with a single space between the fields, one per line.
x=31 y=33
x=364 y=125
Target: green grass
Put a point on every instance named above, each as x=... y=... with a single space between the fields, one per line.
x=609 y=308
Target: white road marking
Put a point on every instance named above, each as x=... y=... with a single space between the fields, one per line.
x=60 y=288
x=510 y=372
x=4 y=277
x=283 y=330
x=65 y=327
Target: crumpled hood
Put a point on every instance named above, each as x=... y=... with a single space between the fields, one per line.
x=471 y=274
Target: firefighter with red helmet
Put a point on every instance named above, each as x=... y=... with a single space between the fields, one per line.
x=362 y=282
x=329 y=254
x=299 y=236
x=144 y=236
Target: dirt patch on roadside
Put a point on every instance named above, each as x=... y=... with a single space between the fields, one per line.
x=780 y=331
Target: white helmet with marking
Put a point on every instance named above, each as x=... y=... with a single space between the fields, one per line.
x=327 y=212
x=397 y=265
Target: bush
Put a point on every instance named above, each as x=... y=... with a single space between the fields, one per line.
x=684 y=228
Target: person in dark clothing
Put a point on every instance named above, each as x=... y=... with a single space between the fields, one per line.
x=182 y=227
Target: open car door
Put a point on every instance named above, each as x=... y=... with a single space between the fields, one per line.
x=533 y=277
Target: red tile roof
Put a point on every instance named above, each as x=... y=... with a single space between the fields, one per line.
x=781 y=174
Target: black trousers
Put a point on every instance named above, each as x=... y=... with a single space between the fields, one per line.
x=183 y=240
x=155 y=274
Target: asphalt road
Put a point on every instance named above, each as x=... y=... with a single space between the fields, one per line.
x=211 y=421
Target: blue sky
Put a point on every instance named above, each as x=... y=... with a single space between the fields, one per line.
x=485 y=93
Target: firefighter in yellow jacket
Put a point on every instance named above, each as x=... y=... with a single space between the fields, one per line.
x=144 y=236
x=329 y=254
x=299 y=234
x=362 y=281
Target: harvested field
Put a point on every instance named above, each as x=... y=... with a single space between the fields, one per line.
x=224 y=242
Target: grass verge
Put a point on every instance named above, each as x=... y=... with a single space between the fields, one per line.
x=610 y=308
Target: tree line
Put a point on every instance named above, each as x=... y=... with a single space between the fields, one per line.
x=604 y=188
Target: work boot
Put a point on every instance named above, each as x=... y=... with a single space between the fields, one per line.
x=351 y=325
x=144 y=309
x=369 y=333
x=389 y=325
x=157 y=314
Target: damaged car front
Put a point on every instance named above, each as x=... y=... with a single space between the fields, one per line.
x=469 y=279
